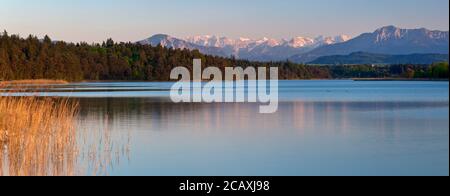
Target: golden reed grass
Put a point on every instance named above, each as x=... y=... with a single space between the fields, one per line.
x=41 y=137
x=37 y=136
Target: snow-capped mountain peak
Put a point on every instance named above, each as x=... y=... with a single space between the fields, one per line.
x=165 y=40
x=267 y=42
x=321 y=40
x=342 y=38
x=389 y=32
x=247 y=43
x=299 y=42
x=244 y=39
x=253 y=49
x=386 y=40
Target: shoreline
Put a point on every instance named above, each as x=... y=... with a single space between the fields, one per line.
x=50 y=82
x=33 y=82
x=401 y=79
x=315 y=79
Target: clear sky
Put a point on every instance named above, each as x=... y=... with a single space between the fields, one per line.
x=132 y=20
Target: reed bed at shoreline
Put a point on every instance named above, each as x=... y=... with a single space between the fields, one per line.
x=37 y=136
x=44 y=136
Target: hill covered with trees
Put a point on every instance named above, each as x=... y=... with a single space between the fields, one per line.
x=33 y=58
x=370 y=58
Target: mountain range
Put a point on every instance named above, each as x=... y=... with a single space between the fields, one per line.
x=388 y=40
x=265 y=49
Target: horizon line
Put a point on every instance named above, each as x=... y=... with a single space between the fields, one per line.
x=218 y=36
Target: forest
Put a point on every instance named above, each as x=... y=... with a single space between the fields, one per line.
x=34 y=58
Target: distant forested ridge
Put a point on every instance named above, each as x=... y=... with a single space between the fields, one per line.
x=370 y=58
x=33 y=58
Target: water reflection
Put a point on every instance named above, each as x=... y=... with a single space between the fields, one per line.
x=161 y=115
x=321 y=128
x=101 y=148
x=300 y=133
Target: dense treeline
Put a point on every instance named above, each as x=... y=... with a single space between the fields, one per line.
x=434 y=71
x=32 y=58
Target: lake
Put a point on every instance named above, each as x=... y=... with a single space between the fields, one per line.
x=330 y=127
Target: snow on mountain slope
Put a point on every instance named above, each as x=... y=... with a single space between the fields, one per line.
x=264 y=49
x=386 y=40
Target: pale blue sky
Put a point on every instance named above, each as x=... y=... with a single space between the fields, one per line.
x=131 y=20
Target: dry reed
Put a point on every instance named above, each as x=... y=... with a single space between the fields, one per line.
x=37 y=136
x=41 y=137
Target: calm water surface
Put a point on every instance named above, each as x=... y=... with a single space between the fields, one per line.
x=321 y=128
